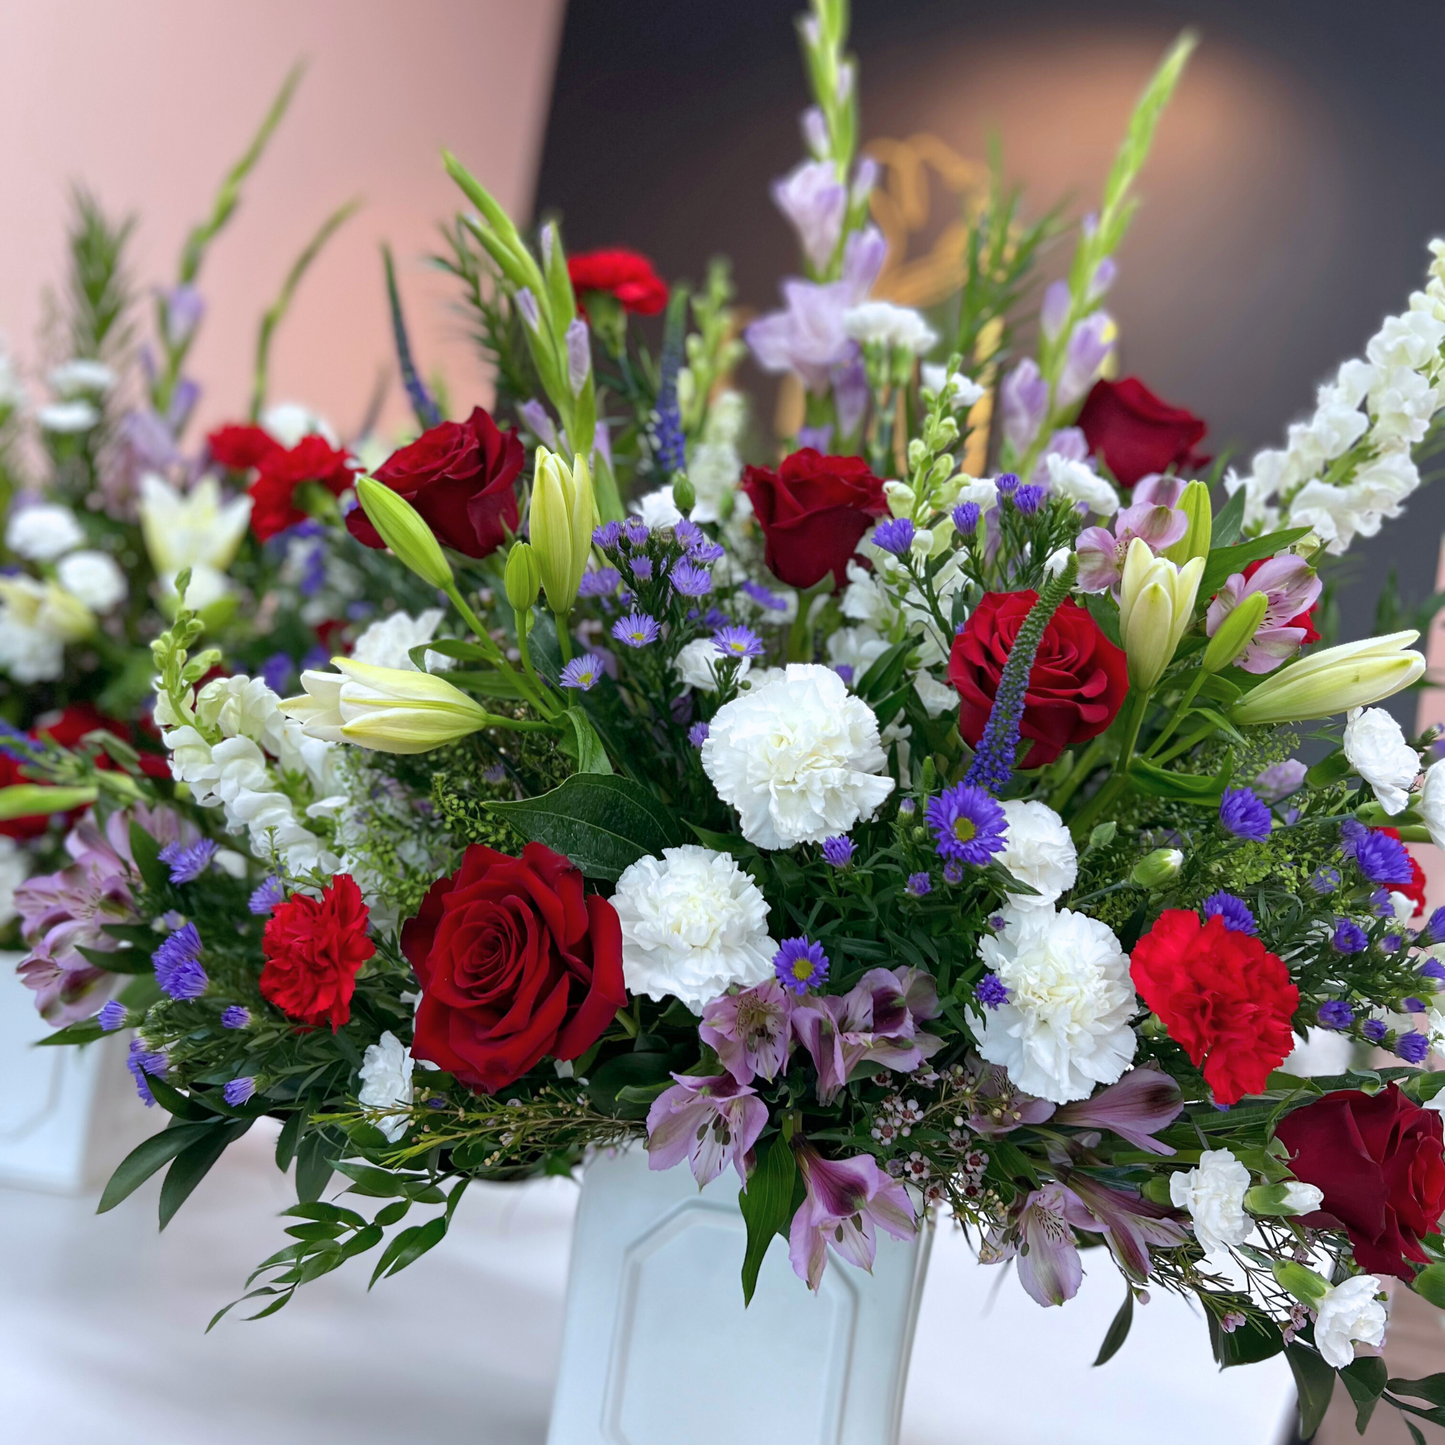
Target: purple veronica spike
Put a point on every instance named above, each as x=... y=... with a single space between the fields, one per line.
x=637 y=629
x=800 y=964
x=1349 y=937
x=238 y=1091
x=838 y=851
x=690 y=579
x=601 y=583
x=188 y=863
x=1242 y=814
x=1281 y=780
x=991 y=991
x=235 y=1017
x=582 y=672
x=1234 y=911
x=1381 y=859
x=895 y=535
x=968 y=824
x=267 y=896
x=1335 y=1013
x=737 y=642
x=112 y=1016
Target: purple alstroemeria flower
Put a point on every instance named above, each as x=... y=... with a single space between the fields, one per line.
x=877 y=1019
x=1041 y=1241
x=751 y=1031
x=1142 y=1103
x=998 y=1107
x=1102 y=549
x=1090 y=343
x=847 y=1202
x=1158 y=490
x=815 y=203
x=1024 y=398
x=1290 y=587
x=710 y=1122
x=1128 y=1222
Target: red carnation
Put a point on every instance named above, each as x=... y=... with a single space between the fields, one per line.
x=312 y=459
x=1378 y=1159
x=622 y=274
x=1075 y=690
x=1137 y=433
x=1414 y=890
x=813 y=511
x=461 y=477
x=313 y=948
x=515 y=964
x=1306 y=619
x=1224 y=998
x=239 y=448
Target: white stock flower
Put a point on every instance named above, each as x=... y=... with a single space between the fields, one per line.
x=1213 y=1195
x=800 y=759
x=937 y=697
x=82 y=376
x=289 y=421
x=1065 y=1026
x=693 y=923
x=1081 y=484
x=196 y=529
x=856 y=647
x=657 y=509
x=889 y=325
x=1038 y=850
x=93 y=577
x=1378 y=752
x=43 y=532
x=388 y=643
x=1347 y=1313
x=37 y=619
x=966 y=391
x=67 y=418
x=14 y=870
x=696 y=665
x=1432 y=802
x=385 y=1075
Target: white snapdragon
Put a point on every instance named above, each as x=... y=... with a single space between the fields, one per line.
x=43 y=532
x=1348 y=1313
x=1081 y=483
x=884 y=324
x=696 y=665
x=93 y=577
x=1377 y=750
x=966 y=391
x=693 y=924
x=388 y=642
x=1038 y=850
x=385 y=1075
x=81 y=376
x=288 y=421
x=856 y=647
x=1213 y=1195
x=800 y=759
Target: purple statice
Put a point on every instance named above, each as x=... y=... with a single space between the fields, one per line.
x=919 y=885
x=1242 y=814
x=800 y=964
x=1007 y=484
x=768 y=601
x=968 y=824
x=697 y=734
x=141 y=1061
x=641 y=568
x=1413 y=1005
x=1325 y=880
x=637 y=629
x=607 y=535
x=965 y=517
x=277 y=671
x=235 y=1017
x=1234 y=911
x=112 y=1016
x=239 y=1090
x=635 y=530
x=1381 y=858
x=669 y=451
x=601 y=583
x=991 y=991
x=735 y=641
x=1413 y=1047
x=895 y=535
x=266 y=896
x=1281 y=780
x=1348 y=937
x=1374 y=1030
x=582 y=672
x=188 y=861
x=1029 y=499
x=706 y=552
x=1335 y=1013
x=953 y=871
x=690 y=579
x=838 y=850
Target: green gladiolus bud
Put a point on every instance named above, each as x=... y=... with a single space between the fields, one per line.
x=1334 y=680
x=401 y=527
x=523 y=578
x=1235 y=632
x=1158 y=868
x=1194 y=503
x=34 y=800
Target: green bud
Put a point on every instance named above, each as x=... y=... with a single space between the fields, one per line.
x=1156 y=1189
x=1235 y=633
x=1304 y=1284
x=900 y=497
x=1103 y=834
x=1194 y=503
x=1288 y=1197
x=684 y=495
x=1157 y=868
x=523 y=577
x=33 y=800
x=917 y=451
x=402 y=529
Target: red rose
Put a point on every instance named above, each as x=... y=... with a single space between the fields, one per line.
x=239 y=448
x=1415 y=888
x=313 y=948
x=1075 y=690
x=1137 y=433
x=1378 y=1158
x=462 y=477
x=1305 y=619
x=623 y=274
x=515 y=965
x=1224 y=998
x=273 y=493
x=813 y=510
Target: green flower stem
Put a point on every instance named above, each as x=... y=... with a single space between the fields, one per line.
x=564 y=638
x=535 y=696
x=524 y=628
x=798 y=650
x=1085 y=764
x=1195 y=683
x=1106 y=796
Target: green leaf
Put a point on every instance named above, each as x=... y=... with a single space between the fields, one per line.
x=147 y=854
x=601 y=822
x=1251 y=1342
x=193 y=1163
x=1431 y=1388
x=1415 y=1434
x=1430 y=1285
x=1365 y=1380
x=1118 y=1331
x=1315 y=1382
x=1229 y=520
x=409 y=1246
x=83 y=1031
x=1157 y=782
x=1105 y=614
x=313 y=1167
x=767 y=1206
x=1226 y=561
x=1329 y=770
x=582 y=743
x=174 y=1102
x=327 y=1213
x=289 y=1138
x=143 y=1161
x=885 y=672
x=733 y=843
x=122 y=960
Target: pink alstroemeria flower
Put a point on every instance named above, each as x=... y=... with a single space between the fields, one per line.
x=751 y=1031
x=1042 y=1240
x=710 y=1122
x=1159 y=490
x=1144 y=1101
x=1101 y=550
x=1291 y=587
x=847 y=1201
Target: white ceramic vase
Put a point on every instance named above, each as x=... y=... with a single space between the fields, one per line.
x=658 y=1349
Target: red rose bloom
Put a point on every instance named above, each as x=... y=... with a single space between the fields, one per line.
x=1378 y=1159
x=1075 y=690
x=1137 y=433
x=273 y=493
x=515 y=965
x=623 y=274
x=239 y=448
x=1415 y=888
x=1305 y=619
x=313 y=948
x=1225 y=999
x=813 y=511
x=462 y=477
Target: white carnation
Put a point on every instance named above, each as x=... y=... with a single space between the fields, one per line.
x=1432 y=802
x=385 y=1075
x=1213 y=1194
x=1038 y=850
x=696 y=665
x=693 y=923
x=94 y=577
x=388 y=643
x=1347 y=1313
x=800 y=758
x=1378 y=752
x=1065 y=1026
x=1081 y=484
x=43 y=532
x=856 y=647
x=888 y=325
x=29 y=654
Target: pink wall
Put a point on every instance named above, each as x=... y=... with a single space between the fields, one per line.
x=150 y=101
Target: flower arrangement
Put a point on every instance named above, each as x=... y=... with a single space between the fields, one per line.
x=898 y=838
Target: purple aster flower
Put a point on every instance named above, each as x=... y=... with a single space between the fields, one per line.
x=1234 y=911
x=1412 y=1047
x=1374 y=1030
x=235 y=1017
x=636 y=532
x=313 y=572
x=800 y=964
x=495 y=773
x=1029 y=499
x=1335 y=1013
x=706 y=552
x=846 y=1201
x=267 y=896
x=750 y=1031
x=1349 y=937
x=737 y=642
x=141 y=1061
x=991 y=991
x=641 y=568
x=238 y=1091
x=697 y=734
x=187 y=980
x=965 y=517
x=689 y=579
x=1391 y=943
x=1325 y=880
x=582 y=672
x=607 y=535
x=687 y=532
x=895 y=535
x=953 y=871
x=838 y=850
x=1280 y=780
x=1242 y=814
x=1413 y=1005
x=277 y=671
x=637 y=629
x=601 y=583
x=710 y=1122
x=769 y=601
x=968 y=824
x=1381 y=858
x=181 y=947
x=1007 y=484
x=1434 y=931
x=919 y=884
x=1433 y=968
x=188 y=863
x=112 y=1016
x=845 y=671
x=907 y=808
x=1381 y=904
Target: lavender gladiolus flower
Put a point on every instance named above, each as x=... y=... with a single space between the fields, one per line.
x=846 y=1202
x=1242 y=814
x=579 y=354
x=1381 y=858
x=1291 y=588
x=526 y=304
x=536 y=419
x=182 y=308
x=710 y=1122
x=1281 y=780
x=1054 y=309
x=820 y=438
x=1024 y=398
x=751 y=1031
x=1142 y=1103
x=1234 y=911
x=1102 y=549
x=1089 y=346
x=815 y=203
